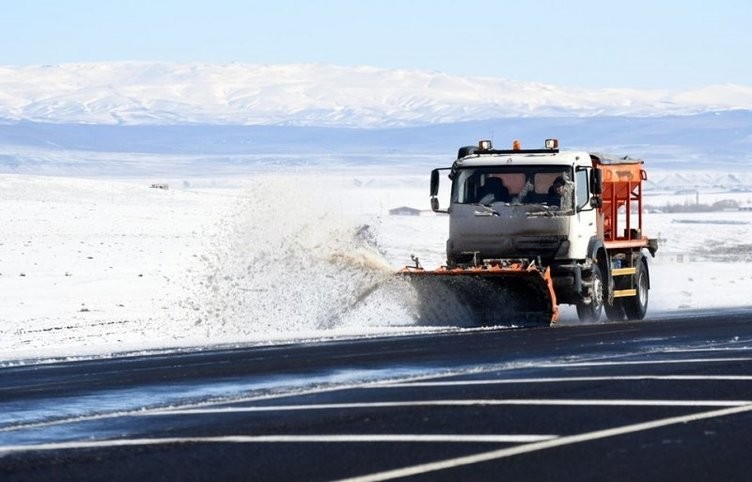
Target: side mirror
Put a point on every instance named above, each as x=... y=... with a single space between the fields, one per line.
x=596 y=202
x=435 y=189
x=434 y=184
x=596 y=182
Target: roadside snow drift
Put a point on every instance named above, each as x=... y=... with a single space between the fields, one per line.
x=95 y=266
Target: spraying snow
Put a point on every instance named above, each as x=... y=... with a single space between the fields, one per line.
x=288 y=260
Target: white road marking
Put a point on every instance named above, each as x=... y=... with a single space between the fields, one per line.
x=449 y=403
x=536 y=446
x=326 y=389
x=641 y=362
x=209 y=403
x=240 y=399
x=449 y=383
x=729 y=347
x=335 y=438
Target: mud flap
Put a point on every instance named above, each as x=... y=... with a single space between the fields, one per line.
x=499 y=293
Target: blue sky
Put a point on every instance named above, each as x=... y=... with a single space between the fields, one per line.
x=641 y=44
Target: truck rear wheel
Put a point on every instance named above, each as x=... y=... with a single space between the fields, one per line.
x=591 y=312
x=615 y=308
x=637 y=306
x=615 y=311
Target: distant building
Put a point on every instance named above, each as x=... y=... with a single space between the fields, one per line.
x=404 y=211
x=160 y=185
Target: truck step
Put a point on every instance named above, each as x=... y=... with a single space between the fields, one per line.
x=623 y=271
x=624 y=293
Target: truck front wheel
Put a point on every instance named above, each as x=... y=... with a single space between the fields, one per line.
x=591 y=311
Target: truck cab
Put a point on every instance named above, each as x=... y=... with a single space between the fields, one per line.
x=545 y=210
x=546 y=205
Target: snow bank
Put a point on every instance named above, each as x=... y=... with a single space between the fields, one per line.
x=93 y=267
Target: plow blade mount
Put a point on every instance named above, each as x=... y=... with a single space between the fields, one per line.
x=499 y=292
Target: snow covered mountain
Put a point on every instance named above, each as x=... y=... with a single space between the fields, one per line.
x=149 y=93
x=129 y=117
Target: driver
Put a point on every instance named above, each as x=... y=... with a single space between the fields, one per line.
x=493 y=191
x=556 y=191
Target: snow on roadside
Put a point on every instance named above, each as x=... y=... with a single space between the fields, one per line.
x=85 y=263
x=93 y=267
x=97 y=266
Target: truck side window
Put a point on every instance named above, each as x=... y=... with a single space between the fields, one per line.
x=581 y=187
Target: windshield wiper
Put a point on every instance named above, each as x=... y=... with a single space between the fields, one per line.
x=489 y=211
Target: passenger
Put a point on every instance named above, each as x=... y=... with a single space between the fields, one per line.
x=493 y=191
x=556 y=191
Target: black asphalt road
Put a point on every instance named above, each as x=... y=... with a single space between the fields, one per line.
x=662 y=399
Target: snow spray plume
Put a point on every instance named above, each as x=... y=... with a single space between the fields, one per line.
x=288 y=262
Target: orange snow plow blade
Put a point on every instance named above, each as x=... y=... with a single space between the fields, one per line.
x=498 y=292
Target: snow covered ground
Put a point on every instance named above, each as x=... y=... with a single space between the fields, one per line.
x=98 y=266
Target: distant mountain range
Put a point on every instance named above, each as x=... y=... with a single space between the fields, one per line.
x=152 y=93
x=127 y=117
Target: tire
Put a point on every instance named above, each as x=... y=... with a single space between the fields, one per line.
x=591 y=312
x=637 y=306
x=615 y=309
x=615 y=312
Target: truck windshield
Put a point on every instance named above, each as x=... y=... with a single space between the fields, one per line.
x=549 y=187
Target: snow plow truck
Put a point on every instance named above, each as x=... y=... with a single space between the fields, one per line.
x=532 y=228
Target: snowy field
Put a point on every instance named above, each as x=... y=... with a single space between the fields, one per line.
x=98 y=266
